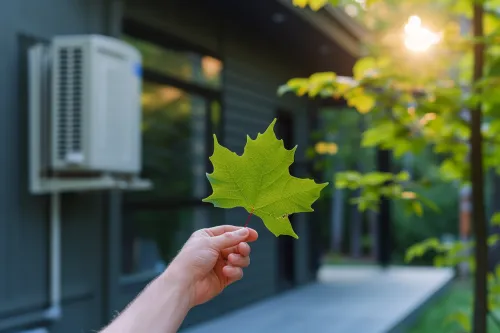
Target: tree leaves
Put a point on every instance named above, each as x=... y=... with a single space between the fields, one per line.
x=314 y=4
x=328 y=84
x=364 y=67
x=418 y=101
x=462 y=318
x=364 y=103
x=259 y=181
x=375 y=185
x=495 y=219
x=417 y=208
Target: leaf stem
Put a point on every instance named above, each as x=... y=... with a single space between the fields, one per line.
x=248 y=218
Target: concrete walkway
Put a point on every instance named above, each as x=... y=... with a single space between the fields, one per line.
x=345 y=300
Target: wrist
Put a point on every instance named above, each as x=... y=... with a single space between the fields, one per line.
x=175 y=278
x=161 y=307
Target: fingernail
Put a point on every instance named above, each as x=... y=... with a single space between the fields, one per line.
x=242 y=232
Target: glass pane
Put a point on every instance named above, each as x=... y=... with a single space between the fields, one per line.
x=150 y=239
x=174 y=159
x=174 y=132
x=188 y=66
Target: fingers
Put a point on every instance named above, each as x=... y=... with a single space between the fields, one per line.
x=237 y=260
x=233 y=238
x=233 y=241
x=222 y=229
x=242 y=248
x=235 y=264
x=232 y=273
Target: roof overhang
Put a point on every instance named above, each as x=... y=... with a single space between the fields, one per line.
x=335 y=24
x=326 y=40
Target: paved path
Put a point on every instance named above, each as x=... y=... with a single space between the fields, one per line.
x=345 y=300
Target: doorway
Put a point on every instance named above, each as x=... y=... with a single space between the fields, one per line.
x=286 y=244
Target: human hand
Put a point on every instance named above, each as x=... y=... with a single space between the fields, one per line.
x=212 y=259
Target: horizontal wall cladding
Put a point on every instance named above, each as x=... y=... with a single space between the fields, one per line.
x=251 y=102
x=177 y=17
x=254 y=68
x=24 y=218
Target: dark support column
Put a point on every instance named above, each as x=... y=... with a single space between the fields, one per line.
x=494 y=250
x=384 y=215
x=314 y=230
x=112 y=263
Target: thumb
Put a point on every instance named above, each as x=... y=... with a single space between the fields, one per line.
x=229 y=239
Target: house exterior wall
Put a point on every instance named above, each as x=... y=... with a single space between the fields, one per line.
x=91 y=222
x=24 y=217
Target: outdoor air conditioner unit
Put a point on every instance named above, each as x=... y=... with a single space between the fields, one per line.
x=84 y=129
x=96 y=112
x=85 y=114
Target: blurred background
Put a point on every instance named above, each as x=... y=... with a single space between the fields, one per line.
x=215 y=67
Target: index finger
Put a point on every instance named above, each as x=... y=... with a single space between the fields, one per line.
x=221 y=229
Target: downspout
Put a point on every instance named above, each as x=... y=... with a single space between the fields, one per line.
x=53 y=312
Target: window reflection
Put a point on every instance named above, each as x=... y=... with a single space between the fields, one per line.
x=173 y=140
x=152 y=238
x=175 y=127
x=188 y=66
x=211 y=68
x=174 y=132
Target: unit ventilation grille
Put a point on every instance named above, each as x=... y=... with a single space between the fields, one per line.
x=70 y=85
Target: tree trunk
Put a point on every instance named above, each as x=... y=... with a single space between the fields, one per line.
x=477 y=180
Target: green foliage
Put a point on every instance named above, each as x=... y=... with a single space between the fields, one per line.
x=495 y=219
x=415 y=102
x=456 y=300
x=314 y=4
x=409 y=229
x=375 y=185
x=259 y=181
x=447 y=254
x=461 y=318
x=452 y=254
x=449 y=313
x=343 y=126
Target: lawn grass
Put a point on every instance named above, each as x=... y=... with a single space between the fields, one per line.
x=434 y=318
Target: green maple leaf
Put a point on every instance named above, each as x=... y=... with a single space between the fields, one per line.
x=259 y=181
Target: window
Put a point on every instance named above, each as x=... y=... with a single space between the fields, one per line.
x=174 y=133
x=181 y=110
x=184 y=65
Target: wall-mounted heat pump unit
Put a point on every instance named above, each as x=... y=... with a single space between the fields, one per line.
x=85 y=114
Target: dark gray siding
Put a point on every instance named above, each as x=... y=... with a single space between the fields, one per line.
x=24 y=217
x=251 y=103
x=253 y=71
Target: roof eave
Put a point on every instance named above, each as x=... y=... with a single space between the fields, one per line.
x=334 y=28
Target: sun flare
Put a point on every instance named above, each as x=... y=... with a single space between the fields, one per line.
x=417 y=38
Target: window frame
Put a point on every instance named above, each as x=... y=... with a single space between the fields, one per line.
x=140 y=31
x=209 y=94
